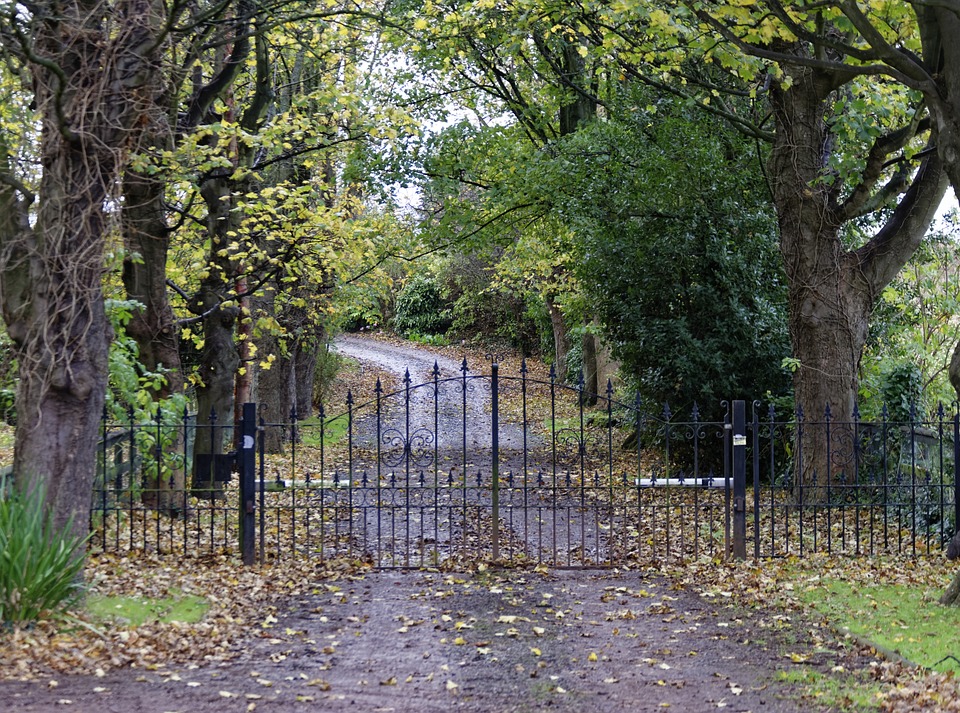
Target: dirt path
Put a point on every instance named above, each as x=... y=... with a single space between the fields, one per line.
x=419 y=363
x=571 y=641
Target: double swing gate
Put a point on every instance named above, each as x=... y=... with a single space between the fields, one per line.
x=515 y=470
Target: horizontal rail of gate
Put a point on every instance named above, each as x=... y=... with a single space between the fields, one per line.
x=489 y=467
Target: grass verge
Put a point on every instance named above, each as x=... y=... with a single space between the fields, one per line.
x=902 y=618
x=136 y=611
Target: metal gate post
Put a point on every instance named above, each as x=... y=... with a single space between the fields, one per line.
x=739 y=480
x=495 y=448
x=956 y=471
x=247 y=465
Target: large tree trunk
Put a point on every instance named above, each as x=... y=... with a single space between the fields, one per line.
x=86 y=89
x=832 y=290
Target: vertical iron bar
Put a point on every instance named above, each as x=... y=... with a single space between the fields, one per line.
x=158 y=460
x=828 y=416
x=799 y=477
x=553 y=442
x=637 y=420
x=321 y=415
x=523 y=398
x=186 y=473
x=739 y=480
x=463 y=474
x=406 y=468
x=103 y=479
x=262 y=486
x=856 y=475
x=913 y=480
x=771 y=412
x=436 y=463
x=294 y=435
x=956 y=469
x=349 y=475
x=581 y=445
x=727 y=445
x=667 y=474
x=208 y=476
x=886 y=482
x=696 y=479
x=756 y=481
x=611 y=512
x=495 y=455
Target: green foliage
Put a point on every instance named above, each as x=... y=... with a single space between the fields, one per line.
x=432 y=340
x=40 y=566
x=130 y=398
x=8 y=408
x=421 y=308
x=914 y=329
x=901 y=391
x=489 y=305
x=679 y=257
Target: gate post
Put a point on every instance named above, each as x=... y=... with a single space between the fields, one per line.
x=739 y=480
x=956 y=470
x=495 y=453
x=247 y=462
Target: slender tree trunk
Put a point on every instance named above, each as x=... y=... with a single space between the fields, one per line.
x=147 y=241
x=561 y=337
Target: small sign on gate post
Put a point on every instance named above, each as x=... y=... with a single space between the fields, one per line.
x=739 y=544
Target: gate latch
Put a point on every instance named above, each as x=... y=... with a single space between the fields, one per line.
x=739 y=505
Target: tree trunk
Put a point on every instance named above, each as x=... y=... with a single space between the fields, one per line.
x=86 y=88
x=832 y=290
x=147 y=241
x=286 y=388
x=561 y=337
x=219 y=358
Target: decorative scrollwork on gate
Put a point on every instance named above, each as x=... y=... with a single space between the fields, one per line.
x=418 y=450
x=570 y=446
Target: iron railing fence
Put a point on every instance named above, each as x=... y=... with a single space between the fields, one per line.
x=525 y=471
x=879 y=486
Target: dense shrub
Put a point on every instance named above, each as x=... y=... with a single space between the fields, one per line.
x=493 y=311
x=40 y=566
x=421 y=308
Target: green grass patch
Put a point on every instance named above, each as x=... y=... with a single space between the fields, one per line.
x=334 y=430
x=187 y=609
x=836 y=691
x=901 y=618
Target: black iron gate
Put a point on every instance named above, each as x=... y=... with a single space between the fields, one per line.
x=511 y=469
x=439 y=474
